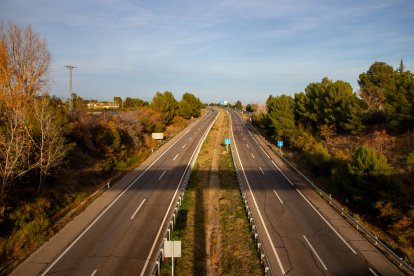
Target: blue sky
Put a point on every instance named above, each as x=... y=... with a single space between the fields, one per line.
x=219 y=49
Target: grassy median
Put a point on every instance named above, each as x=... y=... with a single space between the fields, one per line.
x=211 y=223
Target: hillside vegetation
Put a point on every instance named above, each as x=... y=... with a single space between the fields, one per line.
x=359 y=146
x=56 y=156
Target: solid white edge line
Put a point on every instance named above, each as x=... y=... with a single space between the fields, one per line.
x=259 y=145
x=175 y=157
x=94 y=272
x=159 y=178
x=372 y=271
x=278 y=197
x=330 y=226
x=255 y=203
x=109 y=206
x=314 y=251
x=333 y=229
x=136 y=211
x=274 y=164
x=173 y=198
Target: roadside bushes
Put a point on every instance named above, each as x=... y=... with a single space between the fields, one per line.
x=31 y=223
x=365 y=177
x=109 y=138
x=316 y=155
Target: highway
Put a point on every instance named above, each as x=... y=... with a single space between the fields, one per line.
x=125 y=237
x=297 y=238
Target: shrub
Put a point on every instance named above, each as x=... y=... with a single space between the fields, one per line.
x=367 y=176
x=366 y=162
x=410 y=162
x=31 y=225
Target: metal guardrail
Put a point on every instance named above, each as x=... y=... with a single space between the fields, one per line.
x=381 y=245
x=264 y=261
x=167 y=235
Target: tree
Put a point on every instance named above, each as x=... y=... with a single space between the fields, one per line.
x=249 y=108
x=15 y=144
x=375 y=84
x=238 y=105
x=27 y=60
x=47 y=136
x=23 y=67
x=165 y=104
x=151 y=120
x=281 y=114
x=129 y=123
x=383 y=88
x=118 y=101
x=132 y=102
x=194 y=103
x=185 y=110
x=77 y=103
x=329 y=103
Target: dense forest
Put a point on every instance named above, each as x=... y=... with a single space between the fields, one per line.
x=54 y=154
x=360 y=146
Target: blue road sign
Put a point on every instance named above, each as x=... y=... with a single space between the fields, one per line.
x=227 y=141
x=280 y=144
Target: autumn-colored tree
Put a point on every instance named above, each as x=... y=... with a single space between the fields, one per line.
x=130 y=127
x=151 y=120
x=25 y=60
x=16 y=147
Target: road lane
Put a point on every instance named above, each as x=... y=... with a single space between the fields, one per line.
x=297 y=238
x=119 y=240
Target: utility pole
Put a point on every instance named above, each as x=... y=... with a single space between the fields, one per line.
x=70 y=67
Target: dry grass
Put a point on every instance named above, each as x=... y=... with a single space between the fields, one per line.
x=212 y=224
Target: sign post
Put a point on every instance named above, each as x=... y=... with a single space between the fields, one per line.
x=280 y=145
x=227 y=143
x=172 y=249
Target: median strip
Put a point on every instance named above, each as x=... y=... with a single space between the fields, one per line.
x=212 y=223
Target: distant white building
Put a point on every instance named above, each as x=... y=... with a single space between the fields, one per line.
x=104 y=105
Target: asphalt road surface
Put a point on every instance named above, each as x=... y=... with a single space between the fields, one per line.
x=125 y=237
x=298 y=239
